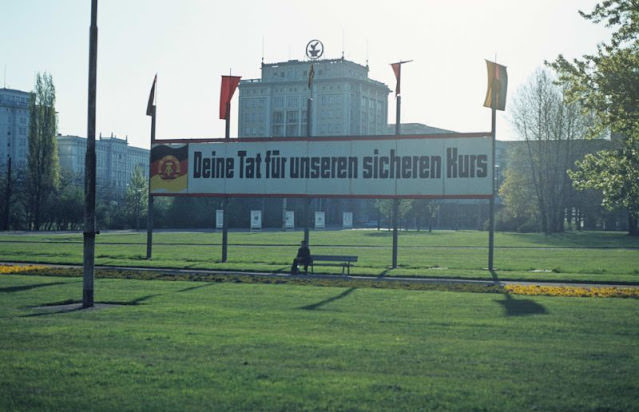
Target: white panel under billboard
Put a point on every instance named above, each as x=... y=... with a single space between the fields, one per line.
x=320 y=220
x=347 y=220
x=256 y=219
x=289 y=219
x=219 y=219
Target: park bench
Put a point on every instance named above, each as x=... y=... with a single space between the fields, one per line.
x=344 y=261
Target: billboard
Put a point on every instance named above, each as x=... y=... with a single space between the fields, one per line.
x=415 y=166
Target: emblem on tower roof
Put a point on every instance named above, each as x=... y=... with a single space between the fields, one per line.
x=314 y=49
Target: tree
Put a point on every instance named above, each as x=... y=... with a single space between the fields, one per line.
x=519 y=213
x=43 y=167
x=607 y=83
x=68 y=210
x=549 y=125
x=137 y=195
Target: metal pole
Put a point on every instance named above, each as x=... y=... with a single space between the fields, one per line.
x=395 y=212
x=309 y=105
x=491 y=211
x=225 y=230
x=307 y=213
x=307 y=203
x=225 y=221
x=90 y=164
x=227 y=131
x=149 y=212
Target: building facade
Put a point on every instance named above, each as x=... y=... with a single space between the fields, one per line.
x=116 y=161
x=345 y=102
x=14 y=128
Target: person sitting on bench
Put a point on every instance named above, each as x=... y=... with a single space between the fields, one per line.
x=303 y=258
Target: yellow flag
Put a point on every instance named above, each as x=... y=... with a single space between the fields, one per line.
x=497 y=86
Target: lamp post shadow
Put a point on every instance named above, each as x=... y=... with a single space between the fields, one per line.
x=318 y=305
x=517 y=307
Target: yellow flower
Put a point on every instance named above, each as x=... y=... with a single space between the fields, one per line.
x=15 y=269
x=573 y=291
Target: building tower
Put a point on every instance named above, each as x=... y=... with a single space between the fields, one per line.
x=14 y=128
x=345 y=101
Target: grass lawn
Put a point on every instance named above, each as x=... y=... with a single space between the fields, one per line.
x=236 y=346
x=572 y=256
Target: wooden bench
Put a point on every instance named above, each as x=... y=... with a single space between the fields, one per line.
x=344 y=261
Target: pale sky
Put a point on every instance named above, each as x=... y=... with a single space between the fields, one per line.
x=191 y=43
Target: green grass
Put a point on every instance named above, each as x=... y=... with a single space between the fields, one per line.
x=571 y=256
x=238 y=346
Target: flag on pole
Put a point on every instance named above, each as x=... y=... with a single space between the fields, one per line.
x=311 y=76
x=229 y=84
x=150 y=107
x=497 y=86
x=397 y=68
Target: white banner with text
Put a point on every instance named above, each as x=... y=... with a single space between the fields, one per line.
x=428 y=166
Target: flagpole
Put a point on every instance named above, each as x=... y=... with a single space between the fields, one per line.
x=225 y=225
x=90 y=166
x=149 y=212
x=397 y=68
x=395 y=211
x=491 y=208
x=225 y=203
x=309 y=129
x=496 y=100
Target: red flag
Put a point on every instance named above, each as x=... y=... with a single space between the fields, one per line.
x=497 y=86
x=229 y=84
x=150 y=107
x=397 y=68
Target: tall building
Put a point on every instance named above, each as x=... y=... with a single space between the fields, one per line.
x=14 y=127
x=345 y=101
x=116 y=160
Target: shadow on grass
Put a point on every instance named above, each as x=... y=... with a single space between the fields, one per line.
x=493 y=274
x=517 y=307
x=71 y=305
x=384 y=272
x=133 y=302
x=318 y=305
x=521 y=307
x=12 y=289
x=207 y=284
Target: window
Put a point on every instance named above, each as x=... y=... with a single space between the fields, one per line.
x=292 y=102
x=292 y=123
x=292 y=116
x=291 y=130
x=278 y=117
x=278 y=101
x=278 y=131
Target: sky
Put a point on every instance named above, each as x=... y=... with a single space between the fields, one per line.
x=191 y=43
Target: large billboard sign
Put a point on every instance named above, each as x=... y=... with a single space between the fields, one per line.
x=415 y=166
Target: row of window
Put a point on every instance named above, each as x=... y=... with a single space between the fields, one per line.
x=12 y=100
x=302 y=74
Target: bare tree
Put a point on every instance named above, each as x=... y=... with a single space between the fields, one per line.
x=549 y=126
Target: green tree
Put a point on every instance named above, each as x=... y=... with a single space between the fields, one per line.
x=43 y=166
x=607 y=83
x=68 y=210
x=137 y=195
x=520 y=213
